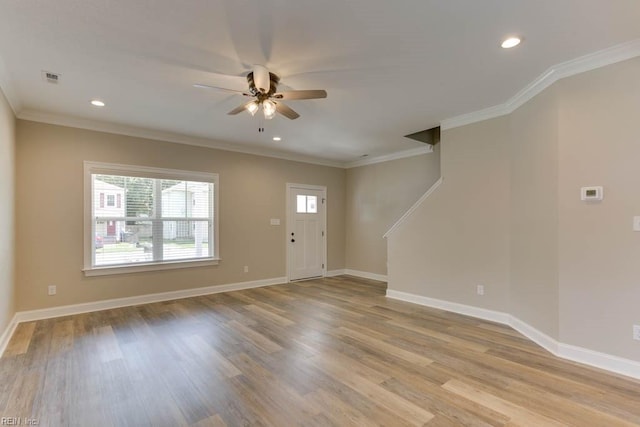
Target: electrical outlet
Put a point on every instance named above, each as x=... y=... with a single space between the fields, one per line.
x=246 y=268
x=480 y=289
x=636 y=332
x=52 y=289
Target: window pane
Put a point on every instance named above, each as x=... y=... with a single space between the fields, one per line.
x=301 y=204
x=150 y=220
x=312 y=204
x=105 y=191
x=139 y=197
x=199 y=195
x=118 y=243
x=174 y=199
x=185 y=240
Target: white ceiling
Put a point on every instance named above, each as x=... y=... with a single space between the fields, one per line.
x=390 y=68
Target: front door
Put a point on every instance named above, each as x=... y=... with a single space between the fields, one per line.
x=306 y=231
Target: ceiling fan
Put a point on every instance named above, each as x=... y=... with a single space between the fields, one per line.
x=262 y=87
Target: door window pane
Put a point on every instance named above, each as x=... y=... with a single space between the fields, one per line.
x=302 y=204
x=306 y=204
x=312 y=204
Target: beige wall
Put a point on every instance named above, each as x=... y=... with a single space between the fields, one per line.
x=7 y=161
x=567 y=268
x=459 y=237
x=377 y=196
x=534 y=213
x=49 y=206
x=599 y=252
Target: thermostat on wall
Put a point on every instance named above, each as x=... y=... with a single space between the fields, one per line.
x=591 y=194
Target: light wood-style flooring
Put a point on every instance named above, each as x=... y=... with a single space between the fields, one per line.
x=324 y=352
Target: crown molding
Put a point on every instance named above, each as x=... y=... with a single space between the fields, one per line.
x=107 y=127
x=579 y=65
x=388 y=157
x=592 y=61
x=7 y=88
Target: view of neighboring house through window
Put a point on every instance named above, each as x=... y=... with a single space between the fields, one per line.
x=164 y=217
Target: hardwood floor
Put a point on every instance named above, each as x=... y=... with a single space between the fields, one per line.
x=324 y=352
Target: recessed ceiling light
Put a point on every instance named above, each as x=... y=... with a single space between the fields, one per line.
x=511 y=42
x=277 y=138
x=97 y=103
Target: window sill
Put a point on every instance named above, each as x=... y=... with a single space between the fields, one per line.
x=139 y=268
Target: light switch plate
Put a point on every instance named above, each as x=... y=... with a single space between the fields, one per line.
x=275 y=221
x=636 y=223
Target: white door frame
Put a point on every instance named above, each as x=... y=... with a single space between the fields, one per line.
x=324 y=221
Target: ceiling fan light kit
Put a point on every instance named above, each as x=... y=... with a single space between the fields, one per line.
x=262 y=87
x=269 y=109
x=253 y=107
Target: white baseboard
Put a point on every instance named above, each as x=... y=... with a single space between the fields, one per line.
x=608 y=362
x=538 y=337
x=365 y=275
x=480 y=313
x=605 y=361
x=7 y=334
x=67 y=310
x=334 y=273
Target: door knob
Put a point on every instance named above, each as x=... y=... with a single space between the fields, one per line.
x=293 y=240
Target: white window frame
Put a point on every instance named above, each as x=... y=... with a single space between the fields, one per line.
x=147 y=172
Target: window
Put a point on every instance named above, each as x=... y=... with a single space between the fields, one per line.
x=152 y=218
x=306 y=204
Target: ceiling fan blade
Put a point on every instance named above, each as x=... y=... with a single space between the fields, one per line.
x=301 y=94
x=261 y=78
x=286 y=111
x=203 y=86
x=239 y=109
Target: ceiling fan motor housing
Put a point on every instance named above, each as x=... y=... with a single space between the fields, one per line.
x=274 y=80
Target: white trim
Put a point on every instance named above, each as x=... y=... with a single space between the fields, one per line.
x=334 y=273
x=365 y=275
x=408 y=213
x=68 y=310
x=136 y=132
x=7 y=334
x=158 y=135
x=149 y=172
x=289 y=208
x=467 y=310
x=538 y=337
x=605 y=361
x=602 y=58
x=608 y=362
x=8 y=89
x=140 y=268
x=582 y=64
x=90 y=167
x=392 y=156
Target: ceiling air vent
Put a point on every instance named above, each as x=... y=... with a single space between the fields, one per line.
x=50 y=77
